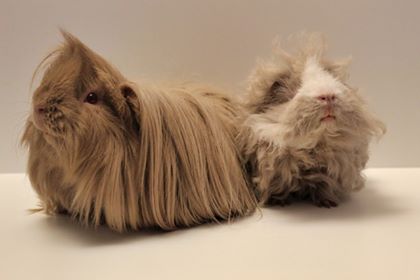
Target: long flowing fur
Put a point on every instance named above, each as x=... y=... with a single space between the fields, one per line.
x=141 y=157
x=290 y=152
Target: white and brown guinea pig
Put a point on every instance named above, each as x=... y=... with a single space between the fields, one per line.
x=308 y=131
x=107 y=151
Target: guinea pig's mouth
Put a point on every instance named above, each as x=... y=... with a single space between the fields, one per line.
x=45 y=127
x=328 y=117
x=40 y=123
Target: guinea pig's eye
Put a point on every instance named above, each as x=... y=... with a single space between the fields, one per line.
x=276 y=86
x=91 y=98
x=280 y=91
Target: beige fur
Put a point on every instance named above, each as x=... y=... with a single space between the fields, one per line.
x=291 y=151
x=141 y=157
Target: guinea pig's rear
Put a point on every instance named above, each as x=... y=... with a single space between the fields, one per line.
x=308 y=131
x=107 y=151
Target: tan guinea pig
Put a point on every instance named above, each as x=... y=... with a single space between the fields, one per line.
x=107 y=151
x=307 y=132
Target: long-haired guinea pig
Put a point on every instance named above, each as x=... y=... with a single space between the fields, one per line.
x=307 y=132
x=109 y=152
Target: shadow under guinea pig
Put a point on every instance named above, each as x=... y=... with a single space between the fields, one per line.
x=368 y=203
x=62 y=229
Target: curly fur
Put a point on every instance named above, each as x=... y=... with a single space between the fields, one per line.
x=141 y=157
x=292 y=151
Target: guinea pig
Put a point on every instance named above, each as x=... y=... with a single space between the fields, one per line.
x=108 y=151
x=307 y=132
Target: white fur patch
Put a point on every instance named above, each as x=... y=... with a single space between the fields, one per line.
x=316 y=81
x=265 y=129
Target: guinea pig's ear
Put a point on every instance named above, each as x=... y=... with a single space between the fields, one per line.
x=132 y=114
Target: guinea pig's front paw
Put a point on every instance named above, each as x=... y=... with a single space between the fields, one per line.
x=325 y=203
x=280 y=201
x=62 y=211
x=322 y=196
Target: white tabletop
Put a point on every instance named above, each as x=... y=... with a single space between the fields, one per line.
x=374 y=235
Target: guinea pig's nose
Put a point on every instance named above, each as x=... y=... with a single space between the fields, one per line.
x=39 y=110
x=38 y=118
x=328 y=98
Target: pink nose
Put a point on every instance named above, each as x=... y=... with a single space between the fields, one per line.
x=39 y=116
x=328 y=98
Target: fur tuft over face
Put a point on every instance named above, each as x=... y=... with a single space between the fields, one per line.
x=307 y=131
x=106 y=151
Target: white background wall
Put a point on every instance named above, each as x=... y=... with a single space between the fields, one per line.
x=218 y=42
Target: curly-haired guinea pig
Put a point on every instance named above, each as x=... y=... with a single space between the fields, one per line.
x=308 y=131
x=108 y=152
